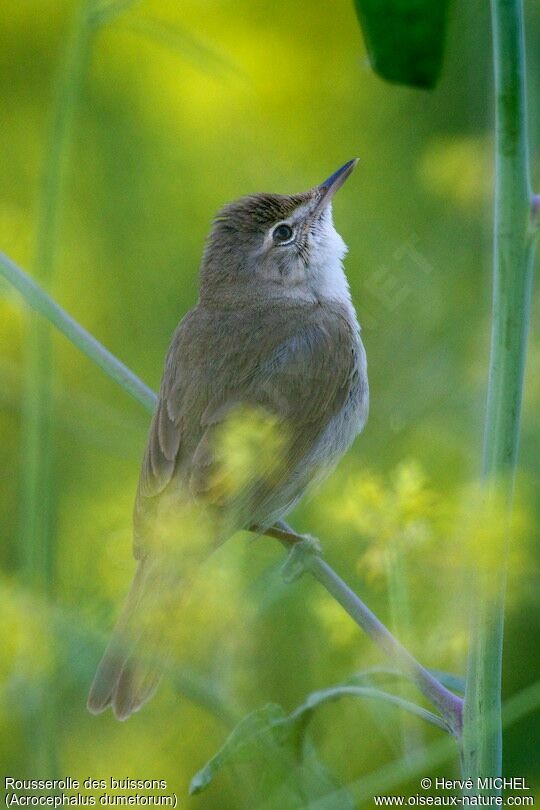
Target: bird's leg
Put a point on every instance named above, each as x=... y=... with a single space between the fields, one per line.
x=302 y=547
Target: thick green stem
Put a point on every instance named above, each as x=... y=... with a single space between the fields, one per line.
x=394 y=776
x=513 y=264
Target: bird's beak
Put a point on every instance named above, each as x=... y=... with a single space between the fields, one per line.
x=333 y=183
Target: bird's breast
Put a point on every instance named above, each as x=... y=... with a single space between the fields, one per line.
x=349 y=420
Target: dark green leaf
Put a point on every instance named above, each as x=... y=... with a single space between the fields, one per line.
x=404 y=38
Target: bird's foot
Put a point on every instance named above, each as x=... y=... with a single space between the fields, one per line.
x=299 y=557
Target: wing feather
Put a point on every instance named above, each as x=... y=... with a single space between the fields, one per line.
x=298 y=366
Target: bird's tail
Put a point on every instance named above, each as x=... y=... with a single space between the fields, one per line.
x=128 y=674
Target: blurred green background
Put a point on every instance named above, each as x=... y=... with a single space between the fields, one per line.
x=182 y=107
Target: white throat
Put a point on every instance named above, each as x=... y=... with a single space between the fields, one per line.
x=326 y=275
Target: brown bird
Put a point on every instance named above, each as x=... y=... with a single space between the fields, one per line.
x=272 y=349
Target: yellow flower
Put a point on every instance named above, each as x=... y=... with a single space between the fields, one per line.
x=403 y=510
x=24 y=636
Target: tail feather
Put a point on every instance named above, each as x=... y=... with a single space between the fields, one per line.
x=126 y=676
x=105 y=681
x=136 y=684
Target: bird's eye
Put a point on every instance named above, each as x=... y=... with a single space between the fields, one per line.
x=282 y=233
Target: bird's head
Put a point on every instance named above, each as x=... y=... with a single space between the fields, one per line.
x=270 y=246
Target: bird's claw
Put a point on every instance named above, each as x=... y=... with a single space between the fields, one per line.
x=299 y=556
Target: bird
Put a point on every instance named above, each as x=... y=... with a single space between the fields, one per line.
x=273 y=349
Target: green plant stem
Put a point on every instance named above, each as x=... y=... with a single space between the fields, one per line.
x=43 y=304
x=36 y=535
x=448 y=703
x=389 y=778
x=514 y=247
x=37 y=546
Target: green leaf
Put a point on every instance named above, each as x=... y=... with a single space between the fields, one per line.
x=290 y=762
x=289 y=772
x=404 y=38
x=302 y=715
x=262 y=725
x=317 y=782
x=456 y=683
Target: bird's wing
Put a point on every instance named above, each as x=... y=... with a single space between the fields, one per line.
x=161 y=452
x=277 y=384
x=174 y=419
